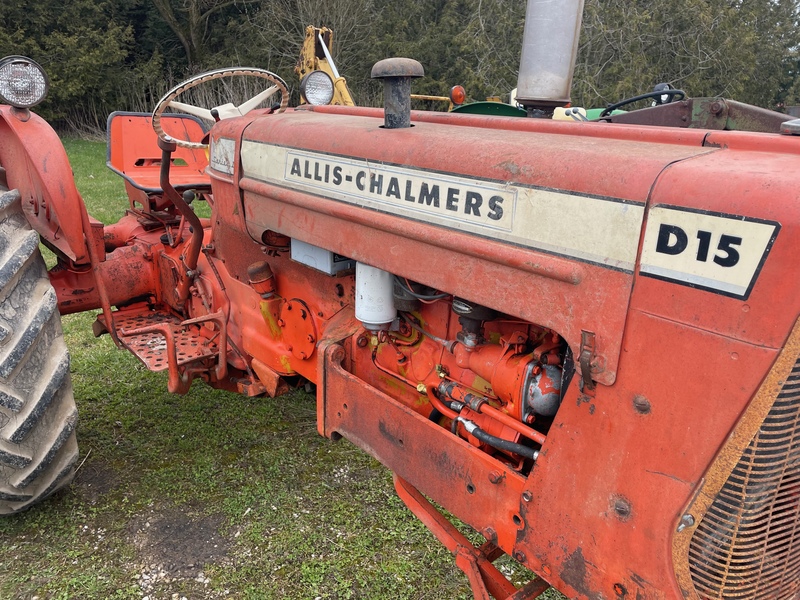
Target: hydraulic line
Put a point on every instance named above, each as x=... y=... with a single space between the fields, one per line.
x=511 y=422
x=446 y=343
x=388 y=372
x=439 y=405
x=480 y=434
x=480 y=405
x=498 y=443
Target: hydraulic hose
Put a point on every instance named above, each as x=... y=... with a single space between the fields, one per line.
x=439 y=405
x=499 y=443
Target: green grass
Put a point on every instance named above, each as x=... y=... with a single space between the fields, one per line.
x=242 y=489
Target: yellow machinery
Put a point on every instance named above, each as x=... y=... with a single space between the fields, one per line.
x=320 y=82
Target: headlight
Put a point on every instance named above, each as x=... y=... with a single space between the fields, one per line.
x=317 y=88
x=23 y=83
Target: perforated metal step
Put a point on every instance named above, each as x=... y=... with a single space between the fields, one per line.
x=192 y=342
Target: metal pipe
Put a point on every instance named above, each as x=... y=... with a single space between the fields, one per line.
x=192 y=252
x=549 y=50
x=438 y=404
x=96 y=263
x=511 y=422
x=397 y=74
x=450 y=389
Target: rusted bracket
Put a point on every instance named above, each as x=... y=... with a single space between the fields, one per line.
x=586 y=360
x=705 y=113
x=95 y=260
x=486 y=580
x=221 y=321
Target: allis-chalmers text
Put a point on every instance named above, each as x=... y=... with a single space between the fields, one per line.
x=447 y=196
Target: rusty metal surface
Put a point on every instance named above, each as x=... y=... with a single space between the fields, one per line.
x=745 y=117
x=706 y=113
x=137 y=333
x=476 y=563
x=500 y=155
x=128 y=268
x=397 y=67
x=420 y=451
x=37 y=165
x=740 y=536
x=613 y=475
x=675 y=114
x=298 y=329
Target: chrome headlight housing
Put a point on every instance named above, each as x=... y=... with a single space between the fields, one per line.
x=317 y=88
x=23 y=83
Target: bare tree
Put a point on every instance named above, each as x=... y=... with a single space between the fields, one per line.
x=190 y=21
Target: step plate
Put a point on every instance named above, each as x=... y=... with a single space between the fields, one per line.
x=151 y=348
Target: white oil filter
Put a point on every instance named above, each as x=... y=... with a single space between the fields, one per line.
x=374 y=298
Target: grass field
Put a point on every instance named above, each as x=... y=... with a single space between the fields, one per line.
x=210 y=495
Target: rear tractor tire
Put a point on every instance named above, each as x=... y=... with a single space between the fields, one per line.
x=38 y=447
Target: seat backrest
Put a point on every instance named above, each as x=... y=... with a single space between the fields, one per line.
x=134 y=154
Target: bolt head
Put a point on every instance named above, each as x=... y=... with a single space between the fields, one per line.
x=687 y=520
x=490 y=534
x=623 y=509
x=641 y=405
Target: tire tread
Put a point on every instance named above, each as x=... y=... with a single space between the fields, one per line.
x=38 y=417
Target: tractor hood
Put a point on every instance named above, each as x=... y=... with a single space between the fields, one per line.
x=578 y=211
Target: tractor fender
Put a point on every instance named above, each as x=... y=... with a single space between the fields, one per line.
x=36 y=164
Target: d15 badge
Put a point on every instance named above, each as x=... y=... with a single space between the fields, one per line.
x=716 y=252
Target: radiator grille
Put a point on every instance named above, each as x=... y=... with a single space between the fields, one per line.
x=748 y=543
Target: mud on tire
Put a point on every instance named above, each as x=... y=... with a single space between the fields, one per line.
x=38 y=448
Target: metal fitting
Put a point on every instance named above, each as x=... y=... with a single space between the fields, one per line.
x=262 y=279
x=468 y=425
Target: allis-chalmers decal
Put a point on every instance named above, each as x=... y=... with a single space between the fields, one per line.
x=717 y=252
x=598 y=230
x=223 y=155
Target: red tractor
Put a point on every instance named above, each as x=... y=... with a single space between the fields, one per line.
x=581 y=339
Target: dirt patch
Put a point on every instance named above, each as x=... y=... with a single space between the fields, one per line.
x=177 y=543
x=95 y=480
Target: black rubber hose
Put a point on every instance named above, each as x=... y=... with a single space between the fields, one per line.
x=501 y=444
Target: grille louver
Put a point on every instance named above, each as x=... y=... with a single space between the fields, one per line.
x=748 y=543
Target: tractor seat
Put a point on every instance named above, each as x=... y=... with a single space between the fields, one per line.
x=134 y=154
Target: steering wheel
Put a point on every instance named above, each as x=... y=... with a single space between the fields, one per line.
x=679 y=95
x=223 y=111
